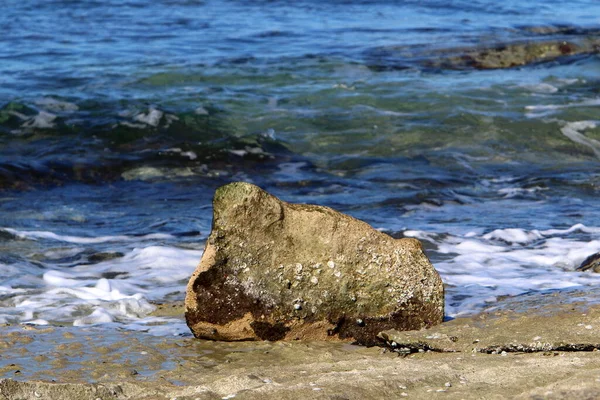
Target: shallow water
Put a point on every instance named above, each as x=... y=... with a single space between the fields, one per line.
x=119 y=119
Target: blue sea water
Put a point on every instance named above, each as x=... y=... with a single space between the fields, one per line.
x=118 y=119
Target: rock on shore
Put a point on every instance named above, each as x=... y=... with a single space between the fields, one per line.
x=272 y=270
x=591 y=263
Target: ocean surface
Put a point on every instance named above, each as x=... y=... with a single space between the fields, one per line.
x=119 y=119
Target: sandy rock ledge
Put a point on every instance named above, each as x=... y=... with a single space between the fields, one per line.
x=94 y=363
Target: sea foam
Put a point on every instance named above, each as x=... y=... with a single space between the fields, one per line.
x=34 y=235
x=509 y=262
x=82 y=295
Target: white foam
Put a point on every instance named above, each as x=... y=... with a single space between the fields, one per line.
x=34 y=235
x=544 y=110
x=63 y=279
x=269 y=133
x=542 y=88
x=239 y=153
x=83 y=296
x=546 y=107
x=152 y=117
x=189 y=154
x=418 y=234
x=511 y=192
x=573 y=130
x=201 y=111
x=511 y=261
x=150 y=173
x=513 y=235
x=569 y=81
x=56 y=105
x=54 y=254
x=132 y=125
x=37 y=322
x=160 y=326
x=575 y=228
x=43 y=120
x=98 y=316
x=379 y=111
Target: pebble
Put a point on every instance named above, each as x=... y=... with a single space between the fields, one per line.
x=448 y=384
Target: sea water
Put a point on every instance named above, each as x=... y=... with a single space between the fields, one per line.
x=119 y=119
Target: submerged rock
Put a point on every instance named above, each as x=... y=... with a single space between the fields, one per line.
x=273 y=270
x=519 y=54
x=485 y=56
x=590 y=263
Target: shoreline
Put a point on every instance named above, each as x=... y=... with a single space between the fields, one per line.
x=93 y=363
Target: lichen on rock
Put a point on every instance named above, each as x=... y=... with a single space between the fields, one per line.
x=273 y=270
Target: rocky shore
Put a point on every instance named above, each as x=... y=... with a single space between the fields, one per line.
x=537 y=346
x=359 y=286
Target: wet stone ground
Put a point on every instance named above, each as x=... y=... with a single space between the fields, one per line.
x=549 y=351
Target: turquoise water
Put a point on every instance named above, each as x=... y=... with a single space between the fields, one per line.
x=118 y=119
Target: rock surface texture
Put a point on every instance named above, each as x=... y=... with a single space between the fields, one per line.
x=272 y=270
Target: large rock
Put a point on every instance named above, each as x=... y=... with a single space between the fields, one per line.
x=590 y=263
x=273 y=270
